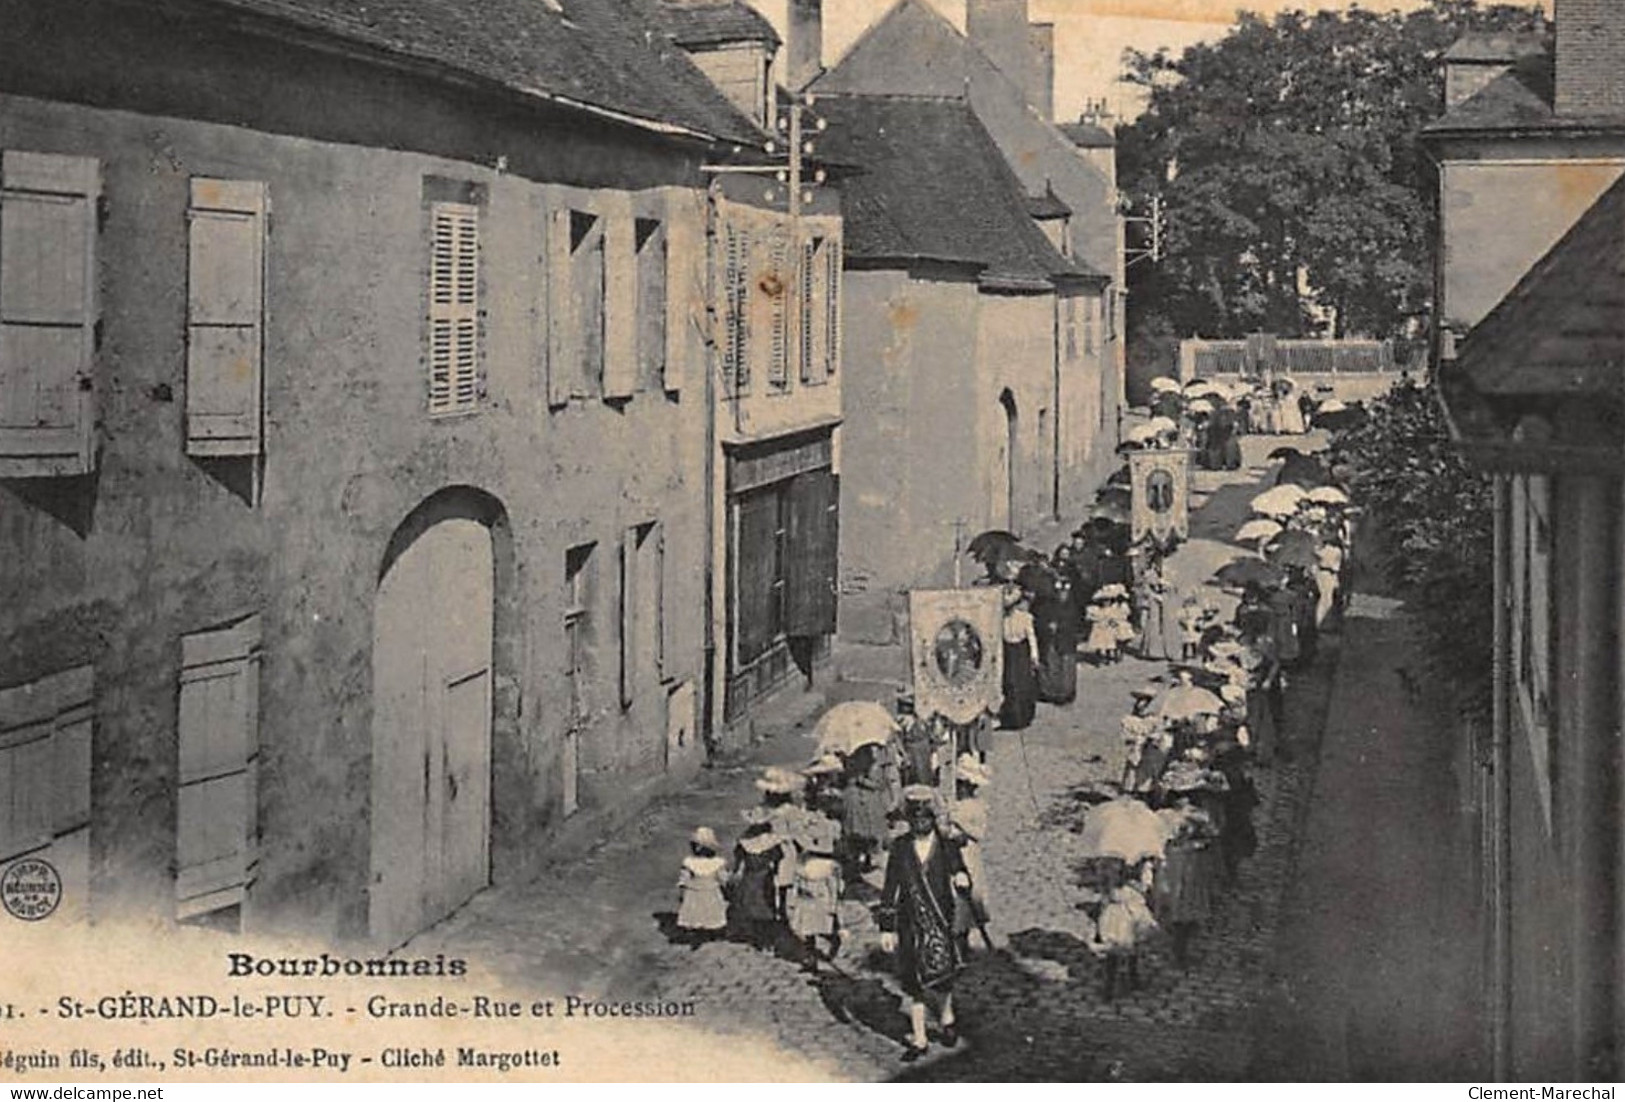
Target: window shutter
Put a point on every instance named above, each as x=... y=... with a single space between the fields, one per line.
x=810 y=571
x=620 y=302
x=225 y=317
x=562 y=353
x=832 y=305
x=685 y=289
x=772 y=283
x=652 y=263
x=216 y=832
x=736 y=271
x=663 y=622
x=809 y=318
x=756 y=619
x=588 y=285
x=454 y=307
x=629 y=614
x=45 y=730
x=47 y=313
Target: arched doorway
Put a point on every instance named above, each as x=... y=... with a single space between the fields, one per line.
x=431 y=728
x=1004 y=467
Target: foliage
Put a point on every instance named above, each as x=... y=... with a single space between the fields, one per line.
x=1436 y=513
x=1288 y=161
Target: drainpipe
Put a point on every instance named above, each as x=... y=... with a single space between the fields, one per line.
x=1497 y=859
x=709 y=724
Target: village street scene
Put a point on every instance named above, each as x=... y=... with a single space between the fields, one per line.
x=953 y=540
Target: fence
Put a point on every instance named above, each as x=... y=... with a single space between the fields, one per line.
x=1263 y=353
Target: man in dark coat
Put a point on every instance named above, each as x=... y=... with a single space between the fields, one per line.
x=924 y=875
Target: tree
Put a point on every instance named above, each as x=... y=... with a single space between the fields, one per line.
x=1288 y=161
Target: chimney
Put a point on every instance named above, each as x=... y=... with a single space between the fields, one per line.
x=804 y=47
x=999 y=28
x=1477 y=58
x=1041 y=69
x=1590 y=57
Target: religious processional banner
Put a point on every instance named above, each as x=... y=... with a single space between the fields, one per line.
x=957 y=641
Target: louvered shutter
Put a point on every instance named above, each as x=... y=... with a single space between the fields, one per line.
x=771 y=284
x=562 y=353
x=47 y=313
x=810 y=571
x=832 y=306
x=225 y=317
x=45 y=731
x=736 y=271
x=664 y=623
x=216 y=850
x=808 y=320
x=454 y=307
x=620 y=325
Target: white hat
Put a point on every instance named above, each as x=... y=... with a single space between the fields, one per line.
x=972 y=771
x=705 y=836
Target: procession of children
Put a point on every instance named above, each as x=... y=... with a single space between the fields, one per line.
x=897 y=802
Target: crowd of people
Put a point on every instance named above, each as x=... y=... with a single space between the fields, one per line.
x=897 y=802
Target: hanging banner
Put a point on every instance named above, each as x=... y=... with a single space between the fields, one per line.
x=957 y=641
x=1161 y=500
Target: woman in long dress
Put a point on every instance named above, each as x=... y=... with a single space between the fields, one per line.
x=1055 y=620
x=1020 y=664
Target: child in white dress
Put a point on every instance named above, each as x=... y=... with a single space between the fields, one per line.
x=702 y=911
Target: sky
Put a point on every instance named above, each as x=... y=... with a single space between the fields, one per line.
x=1090 y=35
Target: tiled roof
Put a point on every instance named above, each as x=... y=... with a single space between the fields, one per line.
x=694 y=23
x=600 y=54
x=934 y=186
x=1493 y=46
x=1520 y=99
x=1561 y=330
x=1087 y=135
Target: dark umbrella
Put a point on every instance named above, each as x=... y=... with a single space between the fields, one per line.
x=995 y=545
x=1294 y=548
x=1285 y=451
x=1109 y=509
x=1302 y=470
x=1121 y=477
x=1244 y=572
x=1339 y=419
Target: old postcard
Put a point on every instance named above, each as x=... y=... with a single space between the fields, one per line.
x=811 y=540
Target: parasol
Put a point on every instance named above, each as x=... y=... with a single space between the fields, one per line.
x=1256 y=531
x=1281 y=501
x=1295 y=548
x=1196 y=381
x=1332 y=405
x=1140 y=434
x=852 y=724
x=1302 y=470
x=1163 y=426
x=1123 y=828
x=1112 y=510
x=1202 y=405
x=1285 y=451
x=1162 y=384
x=995 y=544
x=1242 y=572
x=1328 y=495
x=1186 y=701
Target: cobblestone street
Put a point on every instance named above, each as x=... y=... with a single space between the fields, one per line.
x=1031 y=1009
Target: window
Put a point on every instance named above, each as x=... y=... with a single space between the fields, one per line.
x=832 y=306
x=454 y=307
x=649 y=239
x=642 y=601
x=1091 y=324
x=48 y=278
x=1531 y=621
x=225 y=317
x=216 y=845
x=1110 y=303
x=45 y=735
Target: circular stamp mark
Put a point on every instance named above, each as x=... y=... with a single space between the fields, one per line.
x=30 y=889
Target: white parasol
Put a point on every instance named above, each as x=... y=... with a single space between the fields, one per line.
x=1258 y=531
x=1164 y=426
x=1328 y=495
x=1279 y=501
x=1187 y=701
x=1163 y=384
x=1123 y=828
x=852 y=724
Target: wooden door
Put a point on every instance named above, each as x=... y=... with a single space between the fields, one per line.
x=431 y=774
